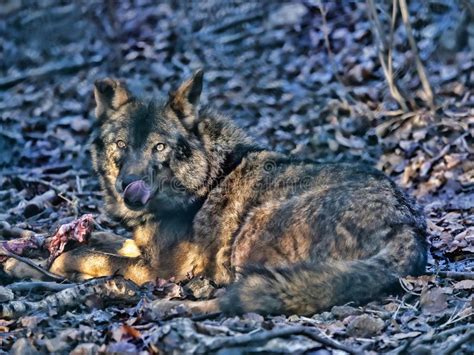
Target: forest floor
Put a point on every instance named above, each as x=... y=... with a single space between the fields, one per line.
x=268 y=65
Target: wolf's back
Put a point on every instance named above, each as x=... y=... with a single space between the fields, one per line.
x=314 y=287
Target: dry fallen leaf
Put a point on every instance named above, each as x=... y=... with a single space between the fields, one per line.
x=365 y=326
x=464 y=285
x=433 y=300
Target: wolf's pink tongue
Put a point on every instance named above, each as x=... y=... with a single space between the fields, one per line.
x=138 y=192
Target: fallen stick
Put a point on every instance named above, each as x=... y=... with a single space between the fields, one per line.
x=440 y=336
x=419 y=65
x=37 y=204
x=245 y=339
x=385 y=49
x=458 y=329
x=456 y=275
x=10 y=232
x=47 y=70
x=60 y=190
x=468 y=337
x=5 y=252
x=39 y=285
x=202 y=317
x=111 y=289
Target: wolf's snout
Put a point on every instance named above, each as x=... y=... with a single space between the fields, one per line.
x=137 y=193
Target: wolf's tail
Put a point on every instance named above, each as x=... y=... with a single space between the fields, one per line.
x=314 y=287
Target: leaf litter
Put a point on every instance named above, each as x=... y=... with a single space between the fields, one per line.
x=268 y=66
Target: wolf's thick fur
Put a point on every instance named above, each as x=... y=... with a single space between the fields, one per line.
x=291 y=236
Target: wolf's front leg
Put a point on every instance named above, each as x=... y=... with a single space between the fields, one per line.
x=107 y=254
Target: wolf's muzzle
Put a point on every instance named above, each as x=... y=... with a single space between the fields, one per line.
x=137 y=194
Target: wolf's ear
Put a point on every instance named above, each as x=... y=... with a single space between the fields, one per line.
x=109 y=94
x=185 y=100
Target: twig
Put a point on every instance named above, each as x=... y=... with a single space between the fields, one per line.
x=382 y=48
x=458 y=343
x=27 y=261
x=116 y=289
x=456 y=275
x=37 y=203
x=276 y=333
x=10 y=232
x=456 y=318
x=39 y=285
x=404 y=285
x=458 y=329
x=419 y=65
x=441 y=335
x=202 y=317
x=60 y=190
x=325 y=29
x=46 y=70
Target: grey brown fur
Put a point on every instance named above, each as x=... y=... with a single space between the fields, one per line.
x=290 y=236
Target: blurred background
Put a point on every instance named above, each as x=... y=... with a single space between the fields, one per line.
x=341 y=80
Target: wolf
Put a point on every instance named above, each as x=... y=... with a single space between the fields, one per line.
x=288 y=236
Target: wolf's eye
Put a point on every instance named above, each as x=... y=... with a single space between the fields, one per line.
x=121 y=144
x=160 y=147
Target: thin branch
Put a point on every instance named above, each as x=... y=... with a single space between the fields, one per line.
x=393 y=21
x=30 y=263
x=60 y=190
x=325 y=29
x=277 y=333
x=47 y=70
x=456 y=275
x=9 y=232
x=419 y=65
x=469 y=336
x=332 y=59
x=39 y=286
x=382 y=49
x=112 y=289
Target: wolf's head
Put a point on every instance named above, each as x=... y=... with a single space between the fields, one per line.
x=159 y=157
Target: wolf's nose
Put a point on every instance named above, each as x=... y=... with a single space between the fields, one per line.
x=127 y=180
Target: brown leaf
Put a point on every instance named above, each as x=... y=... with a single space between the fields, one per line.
x=125 y=332
x=464 y=285
x=365 y=326
x=433 y=300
